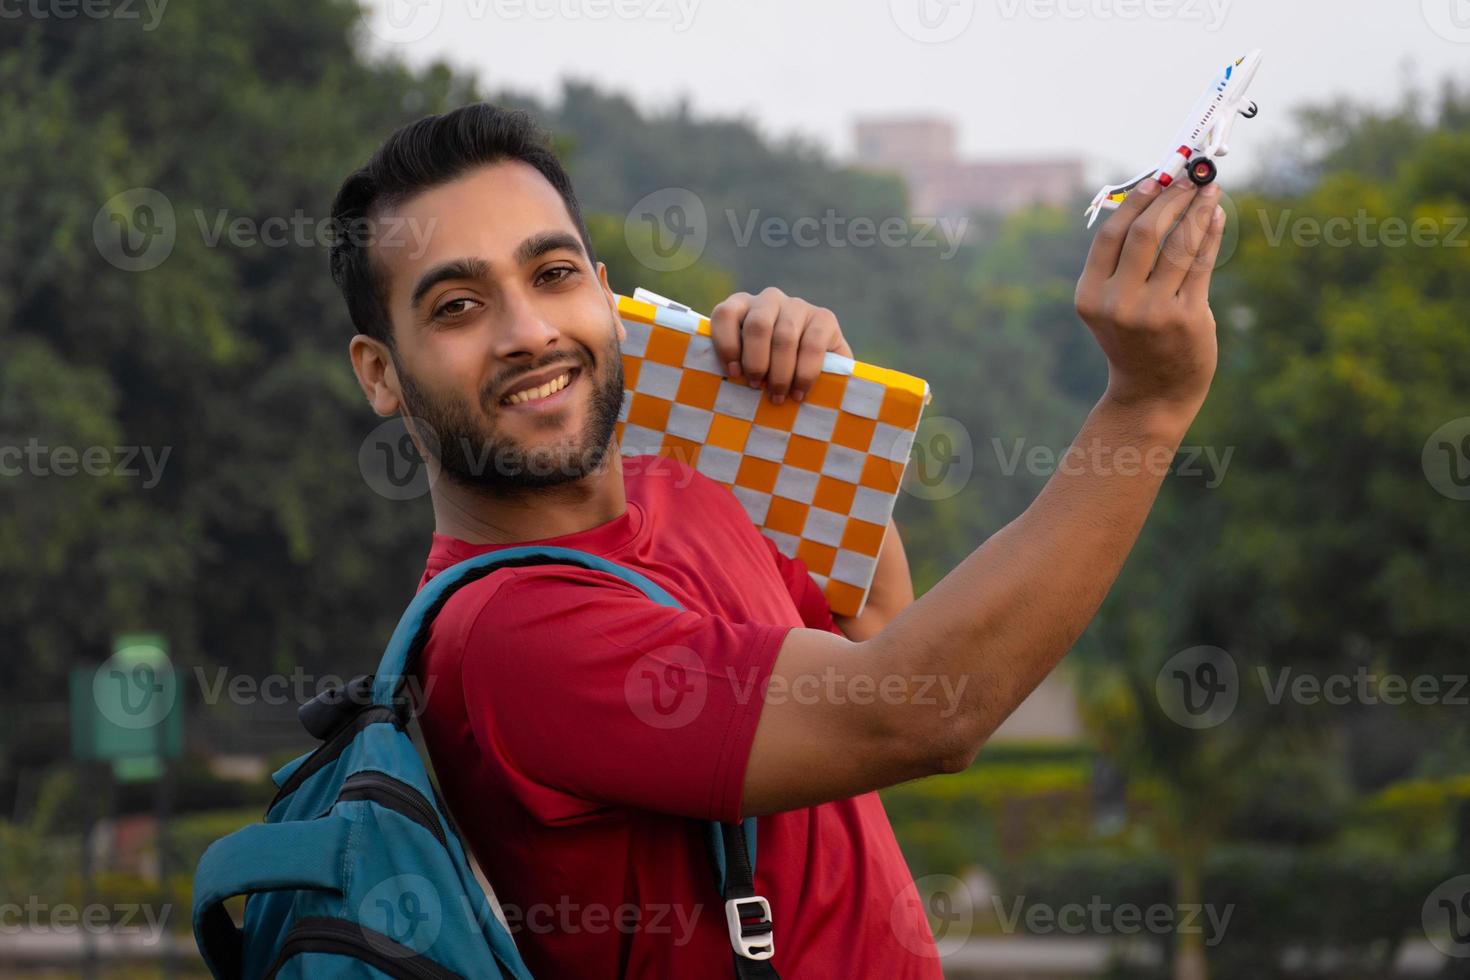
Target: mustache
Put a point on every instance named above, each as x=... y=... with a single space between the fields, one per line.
x=490 y=398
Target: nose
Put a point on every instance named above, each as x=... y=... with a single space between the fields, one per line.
x=524 y=333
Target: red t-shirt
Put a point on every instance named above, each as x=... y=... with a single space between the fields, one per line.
x=584 y=734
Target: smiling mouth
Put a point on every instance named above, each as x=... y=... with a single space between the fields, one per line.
x=549 y=390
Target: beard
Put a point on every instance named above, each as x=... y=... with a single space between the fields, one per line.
x=464 y=441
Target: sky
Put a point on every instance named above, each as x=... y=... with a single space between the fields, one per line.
x=1108 y=81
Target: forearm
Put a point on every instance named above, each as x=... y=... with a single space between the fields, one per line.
x=891 y=593
x=1003 y=618
x=981 y=639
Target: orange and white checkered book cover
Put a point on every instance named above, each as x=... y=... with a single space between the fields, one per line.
x=818 y=476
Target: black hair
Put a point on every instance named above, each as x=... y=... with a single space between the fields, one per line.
x=420 y=156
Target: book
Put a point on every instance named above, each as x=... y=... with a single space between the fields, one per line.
x=819 y=477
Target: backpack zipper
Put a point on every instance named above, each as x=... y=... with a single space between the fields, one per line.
x=328 y=752
x=397 y=796
x=338 y=936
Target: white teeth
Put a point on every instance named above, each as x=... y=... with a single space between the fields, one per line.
x=532 y=394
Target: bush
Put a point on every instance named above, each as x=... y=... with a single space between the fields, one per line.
x=996 y=812
x=1288 y=908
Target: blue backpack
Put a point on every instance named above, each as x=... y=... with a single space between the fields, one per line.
x=357 y=870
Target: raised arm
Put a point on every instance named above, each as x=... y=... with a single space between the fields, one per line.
x=923 y=694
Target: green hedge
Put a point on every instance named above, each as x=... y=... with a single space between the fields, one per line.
x=1354 y=906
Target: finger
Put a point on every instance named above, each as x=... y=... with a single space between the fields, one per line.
x=1185 y=241
x=1149 y=231
x=791 y=323
x=755 y=335
x=1102 y=258
x=822 y=334
x=724 y=328
x=1196 y=287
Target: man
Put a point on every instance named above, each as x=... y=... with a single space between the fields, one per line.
x=584 y=734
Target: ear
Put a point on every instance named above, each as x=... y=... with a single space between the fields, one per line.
x=612 y=301
x=376 y=375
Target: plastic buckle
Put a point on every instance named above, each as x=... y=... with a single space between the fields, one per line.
x=753 y=940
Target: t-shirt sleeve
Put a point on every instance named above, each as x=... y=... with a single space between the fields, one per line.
x=810 y=602
x=585 y=685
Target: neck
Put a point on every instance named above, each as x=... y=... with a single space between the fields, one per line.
x=470 y=514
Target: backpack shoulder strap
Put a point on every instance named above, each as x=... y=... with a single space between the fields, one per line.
x=732 y=846
x=412 y=633
x=259 y=858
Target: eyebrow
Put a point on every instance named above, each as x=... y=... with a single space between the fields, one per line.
x=453 y=269
x=527 y=251
x=547 y=241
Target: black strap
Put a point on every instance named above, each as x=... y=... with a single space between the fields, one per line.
x=740 y=884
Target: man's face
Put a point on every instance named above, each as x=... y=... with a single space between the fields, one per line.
x=507 y=343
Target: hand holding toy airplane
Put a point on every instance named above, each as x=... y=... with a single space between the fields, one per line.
x=1204 y=136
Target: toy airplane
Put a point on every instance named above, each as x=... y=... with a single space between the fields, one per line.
x=1204 y=136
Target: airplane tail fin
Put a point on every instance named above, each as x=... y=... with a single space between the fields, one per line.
x=1113 y=195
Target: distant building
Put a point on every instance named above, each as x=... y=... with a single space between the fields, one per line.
x=923 y=151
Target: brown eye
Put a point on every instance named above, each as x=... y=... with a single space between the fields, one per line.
x=555 y=275
x=455 y=307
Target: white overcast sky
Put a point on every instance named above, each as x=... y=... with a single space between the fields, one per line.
x=1109 y=80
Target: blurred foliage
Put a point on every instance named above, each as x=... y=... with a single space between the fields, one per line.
x=1277 y=912
x=995 y=813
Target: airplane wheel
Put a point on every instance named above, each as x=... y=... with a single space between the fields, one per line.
x=1202 y=171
